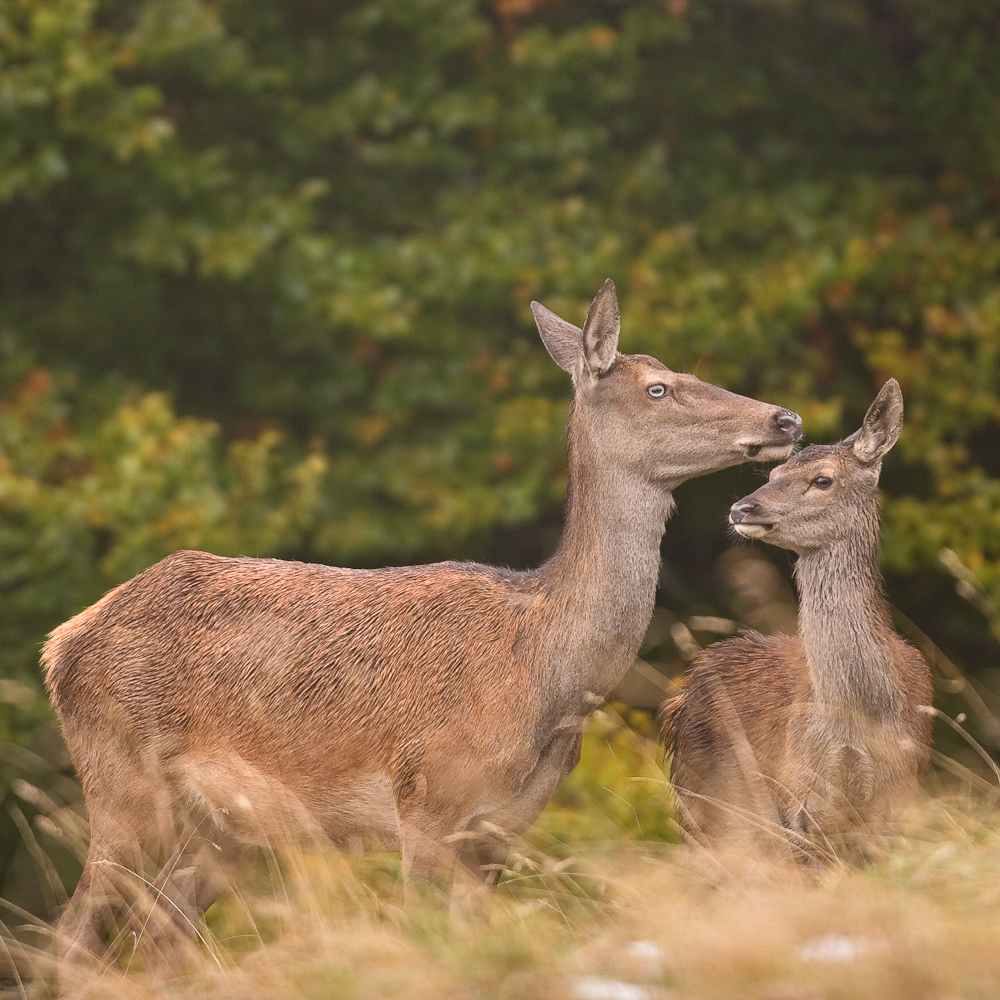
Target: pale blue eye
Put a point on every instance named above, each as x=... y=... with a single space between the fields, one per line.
x=657 y=390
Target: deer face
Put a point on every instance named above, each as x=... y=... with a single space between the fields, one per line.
x=669 y=426
x=665 y=426
x=826 y=493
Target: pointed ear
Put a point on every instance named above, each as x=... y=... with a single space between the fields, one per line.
x=600 y=332
x=881 y=426
x=588 y=353
x=562 y=340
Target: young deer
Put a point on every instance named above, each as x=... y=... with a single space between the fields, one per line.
x=823 y=733
x=212 y=706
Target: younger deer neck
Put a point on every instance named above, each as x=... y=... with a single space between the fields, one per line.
x=846 y=627
x=601 y=582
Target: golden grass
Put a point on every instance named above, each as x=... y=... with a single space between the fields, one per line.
x=598 y=903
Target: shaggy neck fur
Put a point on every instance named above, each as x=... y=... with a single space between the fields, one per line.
x=845 y=624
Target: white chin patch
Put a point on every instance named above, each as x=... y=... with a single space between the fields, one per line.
x=751 y=530
x=770 y=452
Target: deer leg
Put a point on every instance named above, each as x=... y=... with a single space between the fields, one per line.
x=440 y=861
x=200 y=870
x=471 y=853
x=109 y=878
x=90 y=911
x=427 y=859
x=482 y=850
x=480 y=856
x=560 y=755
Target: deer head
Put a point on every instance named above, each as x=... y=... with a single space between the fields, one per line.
x=641 y=417
x=827 y=492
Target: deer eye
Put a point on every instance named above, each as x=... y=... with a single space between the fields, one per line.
x=657 y=390
x=822 y=482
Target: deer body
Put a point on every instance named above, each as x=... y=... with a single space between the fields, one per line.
x=304 y=643
x=212 y=705
x=825 y=733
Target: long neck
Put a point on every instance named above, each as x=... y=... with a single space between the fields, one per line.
x=601 y=583
x=846 y=626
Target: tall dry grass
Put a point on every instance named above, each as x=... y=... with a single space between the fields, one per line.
x=598 y=902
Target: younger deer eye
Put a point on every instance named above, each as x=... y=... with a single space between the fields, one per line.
x=822 y=482
x=657 y=390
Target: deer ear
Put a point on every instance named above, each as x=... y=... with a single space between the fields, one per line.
x=588 y=353
x=881 y=426
x=562 y=340
x=600 y=332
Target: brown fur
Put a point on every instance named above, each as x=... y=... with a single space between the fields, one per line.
x=214 y=705
x=748 y=759
x=820 y=735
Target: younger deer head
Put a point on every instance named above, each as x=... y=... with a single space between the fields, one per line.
x=645 y=419
x=826 y=492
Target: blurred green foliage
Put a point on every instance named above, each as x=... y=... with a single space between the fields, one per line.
x=265 y=271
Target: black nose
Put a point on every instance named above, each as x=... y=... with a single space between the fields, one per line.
x=739 y=510
x=789 y=423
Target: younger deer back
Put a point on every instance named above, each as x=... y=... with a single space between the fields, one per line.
x=823 y=734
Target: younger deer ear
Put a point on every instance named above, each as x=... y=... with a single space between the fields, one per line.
x=881 y=426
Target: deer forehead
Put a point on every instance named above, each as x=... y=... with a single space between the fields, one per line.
x=809 y=470
x=643 y=368
x=633 y=373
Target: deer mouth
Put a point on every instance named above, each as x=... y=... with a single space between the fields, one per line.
x=765 y=452
x=752 y=530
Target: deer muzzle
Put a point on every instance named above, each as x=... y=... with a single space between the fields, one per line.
x=748 y=519
x=787 y=430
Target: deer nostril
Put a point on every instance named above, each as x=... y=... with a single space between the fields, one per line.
x=790 y=423
x=739 y=510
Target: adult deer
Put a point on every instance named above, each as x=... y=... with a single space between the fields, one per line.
x=822 y=734
x=214 y=705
